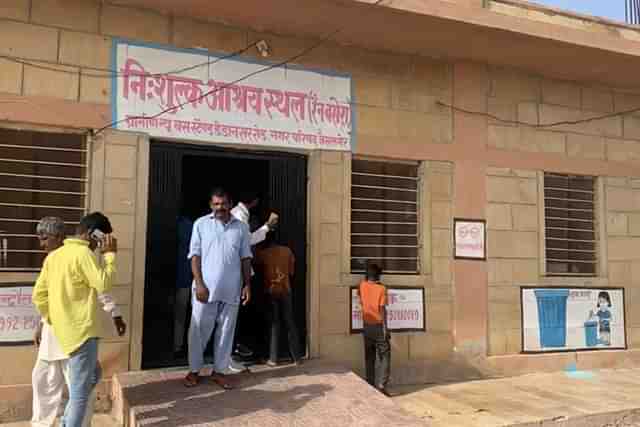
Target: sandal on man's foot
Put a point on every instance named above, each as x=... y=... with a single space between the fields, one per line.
x=222 y=381
x=191 y=380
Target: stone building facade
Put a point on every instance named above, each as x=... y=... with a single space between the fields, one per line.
x=483 y=165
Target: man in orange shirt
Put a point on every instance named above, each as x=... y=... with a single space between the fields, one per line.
x=377 y=350
x=277 y=264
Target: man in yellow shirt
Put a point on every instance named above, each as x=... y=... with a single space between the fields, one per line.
x=65 y=294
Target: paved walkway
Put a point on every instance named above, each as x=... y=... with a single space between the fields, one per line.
x=594 y=398
x=317 y=395
x=310 y=395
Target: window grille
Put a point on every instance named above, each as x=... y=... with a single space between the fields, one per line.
x=384 y=216
x=41 y=174
x=571 y=240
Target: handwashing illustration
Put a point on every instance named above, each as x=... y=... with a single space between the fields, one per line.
x=604 y=318
x=572 y=318
x=599 y=322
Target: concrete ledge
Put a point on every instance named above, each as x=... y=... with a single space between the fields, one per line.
x=520 y=364
x=314 y=394
x=459 y=367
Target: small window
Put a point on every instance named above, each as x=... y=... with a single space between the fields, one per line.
x=41 y=174
x=571 y=240
x=384 y=216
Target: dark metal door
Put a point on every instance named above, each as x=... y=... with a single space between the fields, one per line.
x=165 y=180
x=288 y=197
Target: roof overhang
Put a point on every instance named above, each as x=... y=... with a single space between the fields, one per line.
x=433 y=28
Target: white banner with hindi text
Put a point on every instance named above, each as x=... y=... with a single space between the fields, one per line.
x=405 y=309
x=18 y=316
x=191 y=94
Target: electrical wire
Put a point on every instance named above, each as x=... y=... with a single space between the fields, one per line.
x=539 y=125
x=633 y=9
x=227 y=85
x=440 y=103
x=109 y=72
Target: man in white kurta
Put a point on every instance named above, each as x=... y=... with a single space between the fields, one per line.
x=221 y=264
x=48 y=376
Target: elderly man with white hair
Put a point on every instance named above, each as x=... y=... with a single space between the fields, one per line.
x=48 y=377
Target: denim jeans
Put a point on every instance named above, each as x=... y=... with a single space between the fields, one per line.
x=83 y=373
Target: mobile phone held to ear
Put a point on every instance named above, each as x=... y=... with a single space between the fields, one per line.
x=97 y=235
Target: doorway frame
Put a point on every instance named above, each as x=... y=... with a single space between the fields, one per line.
x=250 y=153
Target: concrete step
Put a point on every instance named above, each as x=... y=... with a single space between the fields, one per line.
x=314 y=394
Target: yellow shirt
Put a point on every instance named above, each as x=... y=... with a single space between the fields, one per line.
x=66 y=292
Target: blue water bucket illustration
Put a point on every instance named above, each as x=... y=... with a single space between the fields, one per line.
x=552 y=317
x=591 y=333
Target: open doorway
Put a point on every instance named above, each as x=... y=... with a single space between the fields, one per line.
x=180 y=179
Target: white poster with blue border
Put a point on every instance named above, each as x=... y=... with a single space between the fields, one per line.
x=193 y=94
x=572 y=318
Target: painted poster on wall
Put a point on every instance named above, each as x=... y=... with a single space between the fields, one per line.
x=469 y=239
x=18 y=315
x=195 y=95
x=405 y=310
x=568 y=319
